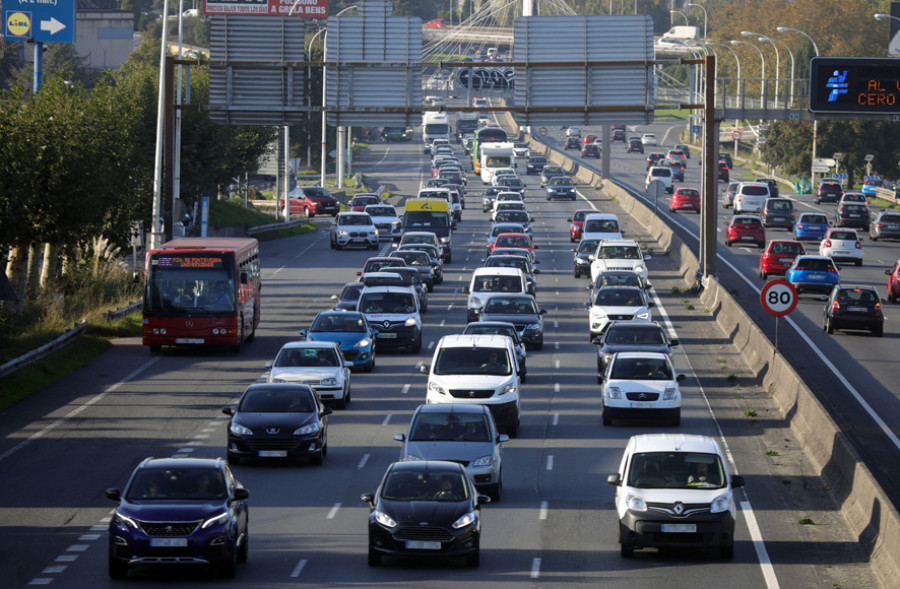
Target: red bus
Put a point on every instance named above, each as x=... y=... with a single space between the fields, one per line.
x=201 y=292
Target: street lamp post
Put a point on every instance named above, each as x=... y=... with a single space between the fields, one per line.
x=892 y=50
x=812 y=174
x=683 y=15
x=762 y=81
x=791 y=54
x=777 y=56
x=705 y=15
x=739 y=84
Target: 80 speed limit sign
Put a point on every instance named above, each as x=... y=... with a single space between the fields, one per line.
x=778 y=297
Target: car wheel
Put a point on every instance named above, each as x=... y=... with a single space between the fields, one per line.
x=117 y=568
x=233 y=458
x=726 y=551
x=829 y=325
x=763 y=275
x=430 y=286
x=371 y=365
x=891 y=298
x=449 y=259
x=244 y=550
x=342 y=402
x=316 y=459
x=873 y=238
x=604 y=416
x=228 y=568
x=495 y=491
x=627 y=550
x=513 y=430
x=473 y=559
x=576 y=273
x=417 y=344
x=374 y=558
x=676 y=418
x=727 y=243
x=858 y=262
x=331 y=243
x=338 y=246
x=539 y=345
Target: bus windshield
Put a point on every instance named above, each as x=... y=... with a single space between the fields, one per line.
x=190 y=283
x=437 y=129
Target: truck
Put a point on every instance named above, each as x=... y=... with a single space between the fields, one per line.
x=430 y=214
x=435 y=125
x=466 y=122
x=685 y=34
x=494 y=156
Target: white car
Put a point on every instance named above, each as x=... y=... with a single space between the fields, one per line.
x=573 y=131
x=318 y=364
x=662 y=174
x=648 y=138
x=619 y=254
x=842 y=245
x=601 y=226
x=386 y=221
x=675 y=483
x=642 y=385
x=750 y=197
x=617 y=303
x=352 y=228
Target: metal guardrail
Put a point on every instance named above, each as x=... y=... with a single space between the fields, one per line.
x=43 y=351
x=123 y=311
x=276 y=226
x=886 y=194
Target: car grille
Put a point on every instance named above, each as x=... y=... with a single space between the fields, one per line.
x=165 y=529
x=472 y=393
x=272 y=444
x=357 y=233
x=350 y=355
x=620 y=268
x=425 y=533
x=383 y=227
x=642 y=396
x=689 y=509
x=620 y=317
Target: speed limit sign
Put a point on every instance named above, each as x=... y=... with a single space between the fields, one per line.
x=736 y=135
x=778 y=297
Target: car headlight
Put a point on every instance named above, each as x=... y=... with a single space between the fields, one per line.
x=307 y=429
x=670 y=393
x=635 y=502
x=640 y=268
x=720 y=504
x=483 y=461
x=374 y=232
x=410 y=322
x=510 y=388
x=118 y=518
x=217 y=520
x=466 y=520
x=475 y=302
x=614 y=392
x=384 y=519
x=412 y=457
x=436 y=388
x=363 y=343
x=343 y=233
x=581 y=261
x=445 y=240
x=240 y=430
x=533 y=327
x=329 y=382
x=597 y=313
x=643 y=314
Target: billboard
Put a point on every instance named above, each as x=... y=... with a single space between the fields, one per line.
x=301 y=8
x=865 y=85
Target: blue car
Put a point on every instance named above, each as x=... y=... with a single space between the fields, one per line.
x=351 y=331
x=815 y=274
x=179 y=511
x=811 y=226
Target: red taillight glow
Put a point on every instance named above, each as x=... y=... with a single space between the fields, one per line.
x=878 y=307
x=858 y=245
x=827 y=243
x=835 y=306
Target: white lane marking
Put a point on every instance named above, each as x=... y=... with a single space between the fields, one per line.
x=186 y=450
x=450 y=306
x=54 y=570
x=556 y=419
x=550 y=462
x=443 y=322
x=177 y=455
x=431 y=344
x=333 y=511
x=762 y=555
x=201 y=436
x=41 y=581
x=387 y=419
x=536 y=568
x=556 y=325
x=98 y=528
x=542 y=513
x=66 y=558
x=556 y=387
x=299 y=568
x=88 y=537
x=556 y=364
x=405 y=389
x=556 y=345
x=384 y=157
x=362 y=462
x=78 y=547
x=759 y=545
x=77 y=410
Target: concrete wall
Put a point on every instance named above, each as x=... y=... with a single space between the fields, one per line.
x=105 y=37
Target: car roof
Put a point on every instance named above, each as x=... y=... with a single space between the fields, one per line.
x=650 y=355
x=308 y=344
x=674 y=443
x=604 y=216
x=470 y=340
x=813 y=257
x=452 y=408
x=618 y=242
x=181 y=463
x=496 y=271
x=428 y=465
x=635 y=325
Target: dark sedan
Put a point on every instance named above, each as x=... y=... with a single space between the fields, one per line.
x=632 y=336
x=278 y=420
x=561 y=187
x=634 y=146
x=535 y=164
x=851 y=214
x=179 y=511
x=573 y=143
x=425 y=509
x=854 y=307
x=550 y=172
x=520 y=310
x=590 y=150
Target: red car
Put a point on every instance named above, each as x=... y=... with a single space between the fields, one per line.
x=893 y=283
x=577 y=224
x=778 y=257
x=745 y=229
x=517 y=240
x=723 y=173
x=299 y=203
x=359 y=202
x=589 y=139
x=687 y=199
x=436 y=23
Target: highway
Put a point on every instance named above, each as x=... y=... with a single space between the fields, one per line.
x=555 y=525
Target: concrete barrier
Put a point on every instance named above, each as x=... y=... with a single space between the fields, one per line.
x=863 y=503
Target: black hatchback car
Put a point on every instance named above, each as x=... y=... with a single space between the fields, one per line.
x=852 y=214
x=573 y=143
x=535 y=164
x=590 y=150
x=520 y=310
x=829 y=191
x=179 y=511
x=618 y=135
x=425 y=508
x=278 y=420
x=634 y=145
x=653 y=158
x=854 y=307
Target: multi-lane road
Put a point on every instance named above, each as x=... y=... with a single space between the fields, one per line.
x=555 y=525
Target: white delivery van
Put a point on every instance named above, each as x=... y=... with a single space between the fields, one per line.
x=435 y=125
x=487 y=281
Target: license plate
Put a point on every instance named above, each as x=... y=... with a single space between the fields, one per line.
x=422 y=545
x=853 y=215
x=168 y=542
x=188 y=340
x=857 y=309
x=679 y=528
x=272 y=453
x=786 y=260
x=841 y=252
x=778 y=218
x=817 y=277
x=748 y=237
x=387 y=336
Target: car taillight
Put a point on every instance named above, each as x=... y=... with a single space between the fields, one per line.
x=827 y=243
x=835 y=306
x=878 y=307
x=879 y=225
x=799 y=225
x=858 y=245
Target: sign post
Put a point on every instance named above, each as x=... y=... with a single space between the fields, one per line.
x=655 y=189
x=778 y=297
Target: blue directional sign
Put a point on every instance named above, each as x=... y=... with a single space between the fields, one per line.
x=41 y=21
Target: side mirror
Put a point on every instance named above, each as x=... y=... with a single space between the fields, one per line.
x=425 y=369
x=465 y=290
x=483 y=499
x=537 y=247
x=597 y=341
x=543 y=311
x=536 y=271
x=673 y=343
x=368 y=498
x=303 y=333
x=502 y=438
x=326 y=411
x=114 y=493
x=335 y=298
x=737 y=481
x=135 y=277
x=614 y=479
x=680 y=377
x=228 y=410
x=650 y=304
x=268 y=364
x=888 y=272
x=240 y=494
x=648 y=258
x=400 y=437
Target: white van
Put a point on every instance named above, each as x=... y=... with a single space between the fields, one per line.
x=750 y=197
x=480 y=369
x=487 y=281
x=599 y=226
x=394 y=311
x=661 y=173
x=674 y=490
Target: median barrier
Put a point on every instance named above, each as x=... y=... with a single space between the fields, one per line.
x=863 y=503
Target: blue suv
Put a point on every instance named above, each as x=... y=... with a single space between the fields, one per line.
x=816 y=274
x=182 y=511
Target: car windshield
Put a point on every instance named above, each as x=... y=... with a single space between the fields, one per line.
x=786 y=247
x=509 y=330
x=854 y=209
x=342 y=322
x=513 y=241
x=497 y=284
x=755 y=191
x=552 y=170
x=497 y=229
x=377 y=265
x=381 y=211
x=520 y=217
x=404 y=485
x=507 y=262
x=641 y=369
x=747 y=221
x=188 y=483
x=627 y=335
x=814 y=218
x=450 y=427
x=414 y=258
x=588 y=246
x=601 y=226
x=306 y=357
x=537 y=160
x=511 y=306
x=355 y=219
x=560 y=181
x=676 y=470
x=619 y=297
x=618 y=279
x=351 y=293
x=277 y=400
x=815 y=265
x=387 y=302
x=427 y=239
x=843 y=235
x=886 y=218
x=474 y=360
x=619 y=252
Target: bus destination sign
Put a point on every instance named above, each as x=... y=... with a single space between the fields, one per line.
x=301 y=8
x=854 y=85
x=186 y=262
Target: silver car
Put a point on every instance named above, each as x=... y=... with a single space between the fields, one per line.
x=458 y=432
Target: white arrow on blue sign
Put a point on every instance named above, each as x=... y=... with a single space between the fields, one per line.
x=41 y=23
